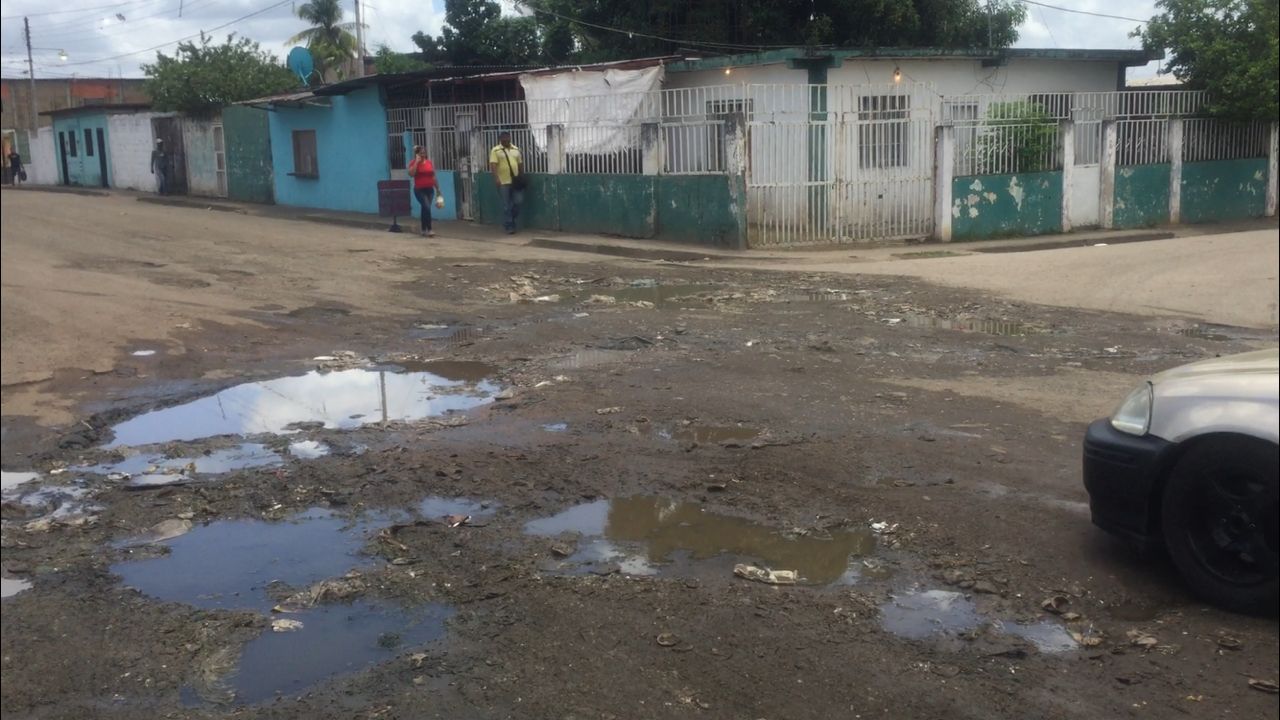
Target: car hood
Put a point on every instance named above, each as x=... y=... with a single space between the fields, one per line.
x=1259 y=363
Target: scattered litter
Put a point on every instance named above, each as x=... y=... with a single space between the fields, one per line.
x=166 y=530
x=1100 y=244
x=1071 y=616
x=454 y=521
x=644 y=304
x=143 y=353
x=1088 y=639
x=547 y=299
x=644 y=283
x=765 y=575
x=543 y=384
x=562 y=550
x=608 y=411
x=1056 y=604
x=282 y=625
x=1226 y=642
x=581 y=315
x=1266 y=686
x=667 y=639
x=883 y=528
x=505 y=394
x=602 y=300
x=1137 y=638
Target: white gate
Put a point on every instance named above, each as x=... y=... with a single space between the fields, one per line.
x=839 y=164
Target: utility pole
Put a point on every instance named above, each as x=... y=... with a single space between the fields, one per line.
x=359 y=42
x=990 y=38
x=31 y=73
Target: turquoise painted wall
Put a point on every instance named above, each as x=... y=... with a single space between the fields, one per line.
x=1224 y=190
x=986 y=206
x=698 y=209
x=351 y=151
x=1141 y=196
x=85 y=167
x=248 y=140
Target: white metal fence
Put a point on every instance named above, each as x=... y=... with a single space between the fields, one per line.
x=823 y=164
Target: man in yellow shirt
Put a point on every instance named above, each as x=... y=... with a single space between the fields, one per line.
x=505 y=164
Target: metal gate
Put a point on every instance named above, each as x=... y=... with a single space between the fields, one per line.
x=839 y=164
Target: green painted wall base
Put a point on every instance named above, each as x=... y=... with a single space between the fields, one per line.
x=698 y=209
x=986 y=206
x=248 y=145
x=1141 y=196
x=1224 y=190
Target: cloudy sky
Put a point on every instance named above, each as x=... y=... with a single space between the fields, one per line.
x=113 y=39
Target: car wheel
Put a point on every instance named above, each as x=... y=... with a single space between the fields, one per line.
x=1219 y=514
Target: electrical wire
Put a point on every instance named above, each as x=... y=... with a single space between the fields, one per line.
x=126 y=27
x=1081 y=12
x=242 y=18
x=647 y=36
x=75 y=10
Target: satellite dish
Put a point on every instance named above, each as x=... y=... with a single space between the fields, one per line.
x=300 y=62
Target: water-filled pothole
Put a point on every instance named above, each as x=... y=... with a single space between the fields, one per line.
x=249 y=564
x=921 y=615
x=337 y=400
x=647 y=293
x=639 y=533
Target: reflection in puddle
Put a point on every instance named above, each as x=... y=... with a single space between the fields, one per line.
x=1003 y=328
x=151 y=469
x=333 y=640
x=12 y=586
x=342 y=400
x=10 y=480
x=438 y=507
x=921 y=615
x=667 y=528
x=228 y=563
x=1224 y=333
x=556 y=427
x=591 y=358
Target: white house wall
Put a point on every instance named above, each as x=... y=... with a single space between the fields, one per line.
x=42 y=166
x=954 y=76
x=130 y=144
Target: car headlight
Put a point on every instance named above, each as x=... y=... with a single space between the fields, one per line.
x=1134 y=414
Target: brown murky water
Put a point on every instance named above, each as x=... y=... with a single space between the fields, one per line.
x=666 y=528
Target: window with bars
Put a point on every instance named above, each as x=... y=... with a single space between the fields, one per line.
x=882 y=130
x=306 y=163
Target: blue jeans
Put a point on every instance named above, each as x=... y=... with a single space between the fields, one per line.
x=511 y=199
x=425 y=197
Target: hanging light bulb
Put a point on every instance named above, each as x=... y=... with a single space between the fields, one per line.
x=62 y=55
x=728 y=71
x=631 y=35
x=897 y=74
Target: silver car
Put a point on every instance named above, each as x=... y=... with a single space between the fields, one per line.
x=1189 y=460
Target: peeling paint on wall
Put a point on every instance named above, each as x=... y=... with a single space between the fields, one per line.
x=1219 y=190
x=1141 y=196
x=1031 y=205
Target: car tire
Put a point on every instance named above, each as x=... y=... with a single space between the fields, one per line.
x=1219 y=512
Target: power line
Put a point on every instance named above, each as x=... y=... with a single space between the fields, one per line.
x=76 y=10
x=269 y=8
x=647 y=36
x=128 y=25
x=1082 y=12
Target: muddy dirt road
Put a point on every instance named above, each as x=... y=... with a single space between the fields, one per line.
x=270 y=469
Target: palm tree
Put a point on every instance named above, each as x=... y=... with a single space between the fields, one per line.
x=330 y=40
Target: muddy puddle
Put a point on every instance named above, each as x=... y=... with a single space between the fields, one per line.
x=263 y=566
x=40 y=507
x=932 y=614
x=644 y=535
x=447 y=333
x=342 y=399
x=12 y=586
x=1001 y=328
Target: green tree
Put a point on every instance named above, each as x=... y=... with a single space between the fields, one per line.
x=477 y=33
x=389 y=62
x=200 y=78
x=332 y=42
x=1016 y=137
x=1228 y=47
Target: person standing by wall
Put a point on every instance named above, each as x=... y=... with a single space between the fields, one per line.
x=508 y=172
x=16 y=173
x=425 y=185
x=160 y=167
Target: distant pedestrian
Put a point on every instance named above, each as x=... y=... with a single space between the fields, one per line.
x=160 y=168
x=508 y=172
x=425 y=185
x=16 y=173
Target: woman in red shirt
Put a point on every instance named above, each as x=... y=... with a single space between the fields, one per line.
x=424 y=185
